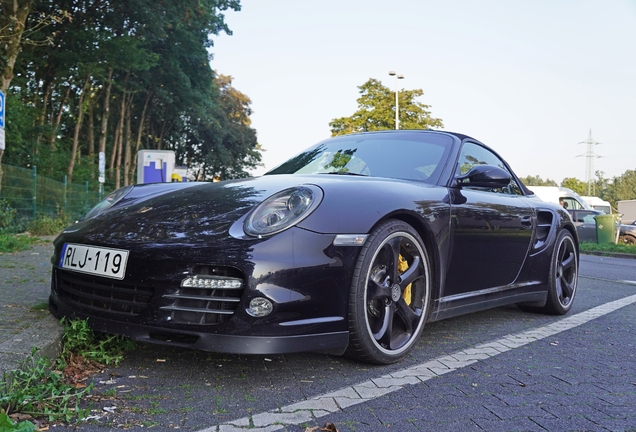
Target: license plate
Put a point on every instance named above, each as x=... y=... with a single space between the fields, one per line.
x=106 y=262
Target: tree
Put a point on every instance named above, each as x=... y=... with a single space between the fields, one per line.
x=376 y=111
x=575 y=184
x=226 y=145
x=120 y=76
x=12 y=25
x=537 y=181
x=621 y=188
x=14 y=29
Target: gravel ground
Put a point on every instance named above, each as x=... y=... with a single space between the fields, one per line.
x=25 y=282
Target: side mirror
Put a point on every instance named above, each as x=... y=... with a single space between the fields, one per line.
x=486 y=176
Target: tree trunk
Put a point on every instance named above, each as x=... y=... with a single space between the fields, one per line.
x=140 y=130
x=48 y=87
x=119 y=134
x=126 y=142
x=91 y=130
x=58 y=119
x=105 y=112
x=78 y=127
x=12 y=21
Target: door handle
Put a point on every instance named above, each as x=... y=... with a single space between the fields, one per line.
x=526 y=222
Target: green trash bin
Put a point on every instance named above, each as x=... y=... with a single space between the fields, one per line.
x=605 y=228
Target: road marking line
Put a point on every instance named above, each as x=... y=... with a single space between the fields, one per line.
x=323 y=405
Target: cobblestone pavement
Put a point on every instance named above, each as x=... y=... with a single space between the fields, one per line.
x=494 y=370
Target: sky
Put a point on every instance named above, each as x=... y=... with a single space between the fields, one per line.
x=532 y=79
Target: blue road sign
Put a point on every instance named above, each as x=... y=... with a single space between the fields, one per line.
x=1 y=110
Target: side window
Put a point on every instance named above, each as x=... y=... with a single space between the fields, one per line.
x=570 y=203
x=589 y=219
x=474 y=154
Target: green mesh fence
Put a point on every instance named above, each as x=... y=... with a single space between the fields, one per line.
x=34 y=196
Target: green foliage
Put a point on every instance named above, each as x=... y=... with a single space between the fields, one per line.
x=149 y=61
x=38 y=390
x=607 y=248
x=537 y=181
x=15 y=243
x=7 y=217
x=376 y=111
x=80 y=339
x=46 y=225
x=576 y=185
x=620 y=188
x=7 y=425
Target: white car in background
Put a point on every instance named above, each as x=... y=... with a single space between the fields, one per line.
x=598 y=204
x=581 y=212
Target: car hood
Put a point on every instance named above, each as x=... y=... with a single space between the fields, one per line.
x=206 y=210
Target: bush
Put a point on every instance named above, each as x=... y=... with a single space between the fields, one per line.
x=46 y=225
x=7 y=217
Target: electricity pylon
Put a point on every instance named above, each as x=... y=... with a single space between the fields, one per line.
x=589 y=165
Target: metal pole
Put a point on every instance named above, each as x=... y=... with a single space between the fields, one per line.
x=397 y=107
x=35 y=193
x=65 y=181
x=397 y=101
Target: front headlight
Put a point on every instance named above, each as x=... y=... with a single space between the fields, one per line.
x=112 y=199
x=283 y=210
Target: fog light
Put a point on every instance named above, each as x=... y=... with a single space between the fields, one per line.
x=212 y=282
x=260 y=307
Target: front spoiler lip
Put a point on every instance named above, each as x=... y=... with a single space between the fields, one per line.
x=334 y=343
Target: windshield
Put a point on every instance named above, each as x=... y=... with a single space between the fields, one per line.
x=411 y=156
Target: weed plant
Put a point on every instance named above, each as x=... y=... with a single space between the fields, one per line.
x=7 y=217
x=41 y=392
x=80 y=339
x=46 y=225
x=41 y=389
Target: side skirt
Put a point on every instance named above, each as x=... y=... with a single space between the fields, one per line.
x=447 y=307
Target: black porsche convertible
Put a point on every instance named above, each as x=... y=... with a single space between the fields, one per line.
x=350 y=247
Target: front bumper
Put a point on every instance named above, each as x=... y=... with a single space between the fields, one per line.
x=301 y=272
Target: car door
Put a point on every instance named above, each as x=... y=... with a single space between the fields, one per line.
x=491 y=230
x=585 y=224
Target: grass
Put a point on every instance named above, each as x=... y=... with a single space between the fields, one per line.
x=609 y=249
x=16 y=243
x=53 y=391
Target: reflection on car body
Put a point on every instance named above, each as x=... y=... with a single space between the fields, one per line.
x=415 y=226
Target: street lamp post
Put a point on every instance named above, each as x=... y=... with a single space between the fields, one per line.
x=397 y=105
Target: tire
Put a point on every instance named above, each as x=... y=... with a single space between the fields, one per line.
x=389 y=305
x=563 y=278
x=629 y=239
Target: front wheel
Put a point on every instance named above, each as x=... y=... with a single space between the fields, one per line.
x=390 y=294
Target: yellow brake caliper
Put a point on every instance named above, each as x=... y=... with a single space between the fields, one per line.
x=402 y=267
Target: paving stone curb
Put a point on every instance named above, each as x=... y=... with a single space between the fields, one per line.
x=44 y=335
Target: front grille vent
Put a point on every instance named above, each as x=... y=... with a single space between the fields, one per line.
x=205 y=305
x=90 y=293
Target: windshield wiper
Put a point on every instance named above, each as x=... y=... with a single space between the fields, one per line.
x=345 y=173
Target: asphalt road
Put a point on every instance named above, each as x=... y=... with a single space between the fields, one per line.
x=581 y=376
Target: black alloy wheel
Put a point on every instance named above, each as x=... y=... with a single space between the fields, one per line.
x=564 y=272
x=390 y=294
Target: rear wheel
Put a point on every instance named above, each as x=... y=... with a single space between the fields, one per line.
x=564 y=273
x=390 y=294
